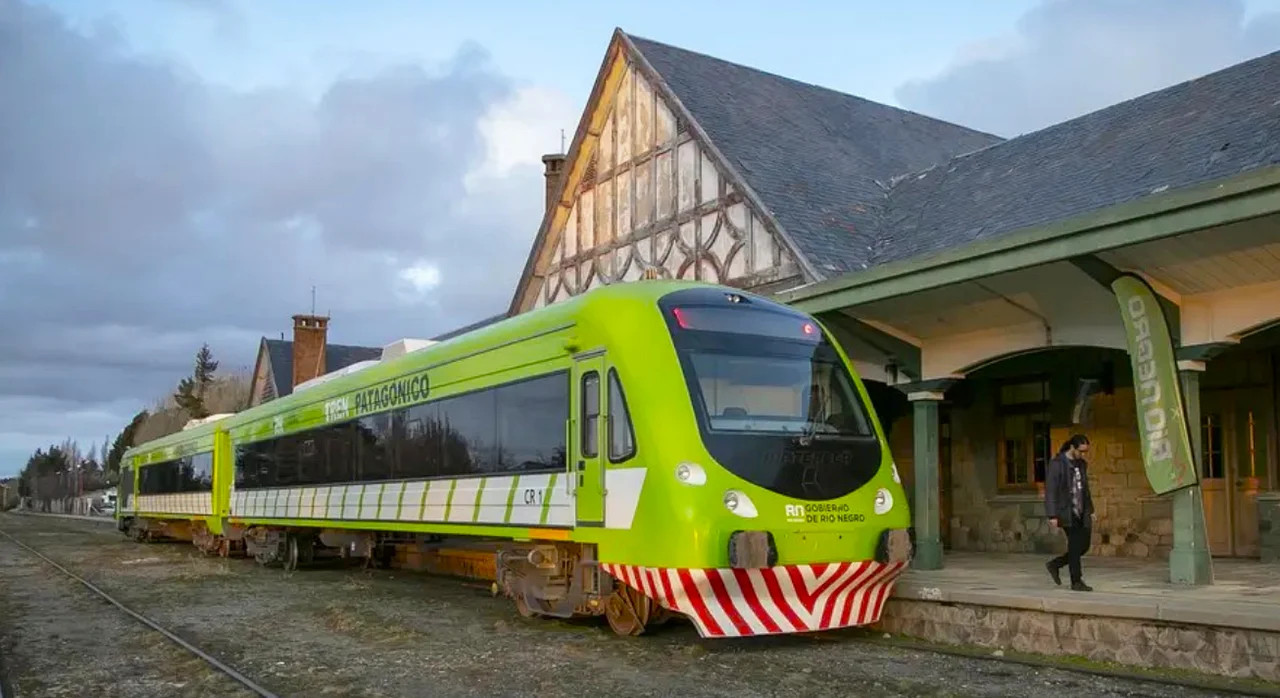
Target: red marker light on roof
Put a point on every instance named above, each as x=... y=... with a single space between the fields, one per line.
x=809 y=329
x=684 y=324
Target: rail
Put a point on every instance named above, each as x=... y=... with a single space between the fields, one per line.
x=210 y=659
x=1211 y=684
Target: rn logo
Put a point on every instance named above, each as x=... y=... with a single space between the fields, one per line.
x=822 y=514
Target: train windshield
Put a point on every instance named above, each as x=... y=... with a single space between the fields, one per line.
x=801 y=394
x=775 y=403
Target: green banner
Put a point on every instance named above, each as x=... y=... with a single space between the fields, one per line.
x=1162 y=421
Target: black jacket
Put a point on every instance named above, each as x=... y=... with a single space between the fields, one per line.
x=1057 y=490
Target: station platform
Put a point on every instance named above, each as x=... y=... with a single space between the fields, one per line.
x=1133 y=616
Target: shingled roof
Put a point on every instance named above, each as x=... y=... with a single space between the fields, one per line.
x=1213 y=127
x=855 y=184
x=336 y=356
x=821 y=161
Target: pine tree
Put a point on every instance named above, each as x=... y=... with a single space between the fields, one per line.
x=122 y=444
x=205 y=365
x=190 y=395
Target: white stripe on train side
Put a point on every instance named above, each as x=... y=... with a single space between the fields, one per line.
x=524 y=500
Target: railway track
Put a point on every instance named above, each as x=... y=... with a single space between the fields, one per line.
x=1152 y=678
x=1217 y=685
x=6 y=690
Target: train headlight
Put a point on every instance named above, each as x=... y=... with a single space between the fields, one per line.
x=884 y=501
x=691 y=474
x=740 y=504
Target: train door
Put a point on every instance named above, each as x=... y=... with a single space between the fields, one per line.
x=586 y=467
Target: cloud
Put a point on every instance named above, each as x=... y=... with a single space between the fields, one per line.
x=144 y=210
x=1071 y=57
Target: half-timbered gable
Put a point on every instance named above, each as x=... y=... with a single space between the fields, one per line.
x=644 y=196
x=686 y=166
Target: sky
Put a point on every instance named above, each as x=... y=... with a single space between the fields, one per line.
x=179 y=172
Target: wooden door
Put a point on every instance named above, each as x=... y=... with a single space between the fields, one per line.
x=1235 y=456
x=1213 y=475
x=944 y=475
x=1252 y=413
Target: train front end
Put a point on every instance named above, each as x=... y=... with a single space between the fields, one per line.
x=779 y=507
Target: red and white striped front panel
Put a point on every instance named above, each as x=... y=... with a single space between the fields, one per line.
x=769 y=600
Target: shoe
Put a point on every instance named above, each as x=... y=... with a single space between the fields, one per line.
x=1053 y=572
x=1080 y=586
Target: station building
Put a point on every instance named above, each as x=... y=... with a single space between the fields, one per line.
x=967 y=276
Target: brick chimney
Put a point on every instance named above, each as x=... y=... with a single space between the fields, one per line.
x=309 y=333
x=553 y=166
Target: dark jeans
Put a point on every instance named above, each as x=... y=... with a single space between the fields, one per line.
x=1079 y=535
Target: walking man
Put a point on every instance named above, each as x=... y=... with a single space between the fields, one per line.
x=1069 y=506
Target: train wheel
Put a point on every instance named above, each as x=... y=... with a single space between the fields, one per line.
x=299 y=550
x=291 y=553
x=522 y=607
x=627 y=610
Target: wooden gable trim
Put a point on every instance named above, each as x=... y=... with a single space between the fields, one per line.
x=621 y=53
x=701 y=137
x=585 y=140
x=254 y=388
x=258 y=387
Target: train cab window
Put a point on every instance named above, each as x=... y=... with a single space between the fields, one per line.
x=591 y=415
x=622 y=440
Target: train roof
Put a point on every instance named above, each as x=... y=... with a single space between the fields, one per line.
x=592 y=305
x=194 y=433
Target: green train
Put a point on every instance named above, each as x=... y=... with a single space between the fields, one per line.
x=641 y=451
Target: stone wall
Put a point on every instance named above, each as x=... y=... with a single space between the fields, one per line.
x=1269 y=526
x=901 y=447
x=1131 y=522
x=1224 y=651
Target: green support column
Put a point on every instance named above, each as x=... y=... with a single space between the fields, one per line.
x=1189 y=561
x=926 y=510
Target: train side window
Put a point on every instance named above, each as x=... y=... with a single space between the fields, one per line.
x=471 y=433
x=590 y=415
x=308 y=462
x=286 y=465
x=622 y=437
x=126 y=486
x=205 y=470
x=531 y=417
x=340 y=453
x=376 y=455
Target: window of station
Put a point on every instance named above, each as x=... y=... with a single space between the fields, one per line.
x=1025 y=448
x=1211 y=447
x=515 y=427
